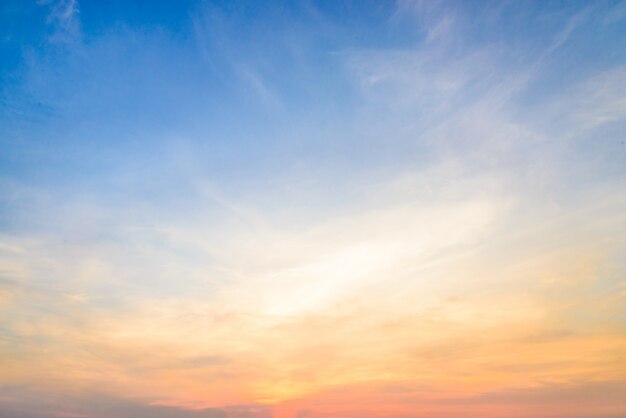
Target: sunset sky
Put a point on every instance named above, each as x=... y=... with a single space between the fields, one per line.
x=312 y=209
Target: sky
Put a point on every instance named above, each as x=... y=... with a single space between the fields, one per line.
x=312 y=209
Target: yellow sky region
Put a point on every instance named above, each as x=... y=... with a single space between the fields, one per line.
x=384 y=309
x=162 y=353
x=455 y=348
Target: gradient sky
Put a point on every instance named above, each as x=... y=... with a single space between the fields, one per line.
x=312 y=209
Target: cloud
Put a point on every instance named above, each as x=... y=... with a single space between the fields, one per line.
x=64 y=20
x=42 y=405
x=599 y=100
x=567 y=399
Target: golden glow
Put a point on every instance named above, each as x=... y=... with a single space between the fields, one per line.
x=388 y=313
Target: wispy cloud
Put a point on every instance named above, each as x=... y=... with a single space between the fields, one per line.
x=64 y=20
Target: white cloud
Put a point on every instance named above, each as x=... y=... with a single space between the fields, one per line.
x=64 y=19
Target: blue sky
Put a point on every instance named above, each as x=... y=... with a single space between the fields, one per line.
x=212 y=179
x=86 y=84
